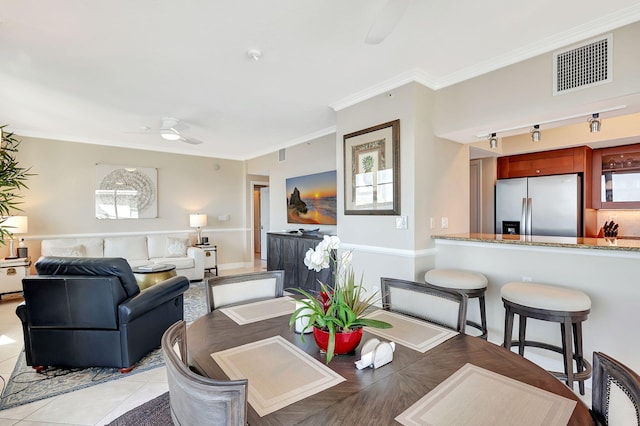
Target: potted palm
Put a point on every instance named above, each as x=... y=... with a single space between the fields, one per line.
x=12 y=180
x=336 y=315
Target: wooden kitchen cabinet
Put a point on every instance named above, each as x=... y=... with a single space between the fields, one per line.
x=286 y=252
x=554 y=162
x=616 y=177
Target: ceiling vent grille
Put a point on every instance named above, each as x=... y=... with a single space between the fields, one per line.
x=582 y=66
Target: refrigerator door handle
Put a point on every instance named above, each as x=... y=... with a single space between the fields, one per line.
x=524 y=218
x=529 y=227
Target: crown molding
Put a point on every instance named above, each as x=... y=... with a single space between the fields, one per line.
x=306 y=138
x=415 y=75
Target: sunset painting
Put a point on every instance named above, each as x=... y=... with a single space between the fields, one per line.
x=311 y=199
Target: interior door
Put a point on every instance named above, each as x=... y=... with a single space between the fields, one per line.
x=264 y=221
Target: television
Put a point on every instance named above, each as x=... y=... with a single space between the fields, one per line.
x=311 y=199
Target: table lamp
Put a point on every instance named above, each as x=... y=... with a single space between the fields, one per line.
x=198 y=220
x=15 y=225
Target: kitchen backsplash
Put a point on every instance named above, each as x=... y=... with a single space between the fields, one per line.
x=628 y=221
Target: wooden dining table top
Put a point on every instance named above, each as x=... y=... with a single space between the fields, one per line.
x=368 y=396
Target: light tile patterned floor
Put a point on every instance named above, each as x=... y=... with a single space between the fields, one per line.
x=96 y=405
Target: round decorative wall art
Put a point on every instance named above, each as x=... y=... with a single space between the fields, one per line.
x=125 y=192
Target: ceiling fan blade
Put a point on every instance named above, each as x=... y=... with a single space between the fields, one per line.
x=386 y=21
x=191 y=141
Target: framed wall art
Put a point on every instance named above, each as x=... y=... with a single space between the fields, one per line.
x=311 y=199
x=126 y=192
x=372 y=170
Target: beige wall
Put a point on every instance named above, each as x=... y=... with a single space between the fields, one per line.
x=522 y=93
x=60 y=198
x=315 y=156
x=434 y=183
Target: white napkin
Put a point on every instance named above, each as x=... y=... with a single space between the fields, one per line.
x=375 y=354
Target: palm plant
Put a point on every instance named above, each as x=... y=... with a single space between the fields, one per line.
x=12 y=179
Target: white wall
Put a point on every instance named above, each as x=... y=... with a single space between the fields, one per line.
x=60 y=198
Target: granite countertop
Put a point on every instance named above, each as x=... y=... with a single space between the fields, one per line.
x=623 y=244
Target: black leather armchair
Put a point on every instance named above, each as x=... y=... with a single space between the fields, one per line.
x=90 y=312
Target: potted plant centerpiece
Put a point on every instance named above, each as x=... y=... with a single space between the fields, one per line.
x=337 y=314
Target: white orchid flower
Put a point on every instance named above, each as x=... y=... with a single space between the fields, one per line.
x=332 y=242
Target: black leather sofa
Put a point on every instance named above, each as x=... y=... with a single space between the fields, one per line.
x=90 y=312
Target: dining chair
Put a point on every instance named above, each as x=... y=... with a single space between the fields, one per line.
x=233 y=289
x=195 y=399
x=615 y=397
x=442 y=306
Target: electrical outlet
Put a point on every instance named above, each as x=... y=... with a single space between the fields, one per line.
x=445 y=223
x=527 y=279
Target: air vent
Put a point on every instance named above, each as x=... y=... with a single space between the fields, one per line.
x=582 y=66
x=282 y=155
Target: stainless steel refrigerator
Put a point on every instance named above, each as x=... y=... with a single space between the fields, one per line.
x=544 y=205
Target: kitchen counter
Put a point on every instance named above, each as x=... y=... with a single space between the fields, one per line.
x=606 y=270
x=616 y=244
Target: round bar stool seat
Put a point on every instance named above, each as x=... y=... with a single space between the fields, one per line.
x=471 y=283
x=549 y=303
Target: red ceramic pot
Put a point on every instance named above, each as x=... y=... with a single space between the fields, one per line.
x=345 y=342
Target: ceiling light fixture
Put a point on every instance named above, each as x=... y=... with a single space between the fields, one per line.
x=254 y=54
x=170 y=134
x=595 y=123
x=493 y=141
x=535 y=133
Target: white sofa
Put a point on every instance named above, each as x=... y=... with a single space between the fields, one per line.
x=174 y=249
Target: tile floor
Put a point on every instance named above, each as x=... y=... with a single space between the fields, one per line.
x=96 y=405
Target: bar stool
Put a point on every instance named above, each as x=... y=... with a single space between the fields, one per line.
x=549 y=303
x=473 y=284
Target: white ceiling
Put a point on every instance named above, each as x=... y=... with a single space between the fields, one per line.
x=99 y=71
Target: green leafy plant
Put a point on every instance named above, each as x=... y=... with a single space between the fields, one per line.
x=340 y=309
x=12 y=180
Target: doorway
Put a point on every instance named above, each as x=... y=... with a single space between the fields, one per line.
x=475 y=196
x=260 y=220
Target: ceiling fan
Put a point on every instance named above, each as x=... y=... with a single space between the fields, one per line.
x=386 y=21
x=170 y=130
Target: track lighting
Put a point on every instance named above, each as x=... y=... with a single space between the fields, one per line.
x=493 y=141
x=535 y=133
x=594 y=123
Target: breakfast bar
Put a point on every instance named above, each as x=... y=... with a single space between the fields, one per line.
x=606 y=269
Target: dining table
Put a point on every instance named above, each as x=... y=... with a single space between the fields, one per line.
x=364 y=396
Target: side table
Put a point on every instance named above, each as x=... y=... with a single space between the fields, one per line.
x=12 y=271
x=148 y=275
x=210 y=257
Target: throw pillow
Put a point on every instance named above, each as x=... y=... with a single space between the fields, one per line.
x=176 y=247
x=71 y=251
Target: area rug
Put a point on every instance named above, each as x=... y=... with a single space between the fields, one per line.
x=156 y=412
x=25 y=385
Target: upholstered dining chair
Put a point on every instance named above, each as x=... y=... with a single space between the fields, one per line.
x=195 y=399
x=441 y=306
x=615 y=397
x=233 y=289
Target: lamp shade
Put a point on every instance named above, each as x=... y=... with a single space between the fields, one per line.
x=16 y=224
x=197 y=220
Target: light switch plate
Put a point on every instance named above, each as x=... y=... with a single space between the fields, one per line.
x=401 y=222
x=445 y=222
